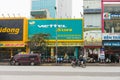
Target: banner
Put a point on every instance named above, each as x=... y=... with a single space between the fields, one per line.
x=93 y=38
x=63 y=29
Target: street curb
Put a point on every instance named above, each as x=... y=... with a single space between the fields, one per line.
x=68 y=64
x=88 y=64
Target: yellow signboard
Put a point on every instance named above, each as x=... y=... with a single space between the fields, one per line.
x=13 y=32
x=65 y=44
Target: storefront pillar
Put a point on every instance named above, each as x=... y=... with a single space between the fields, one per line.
x=52 y=52
x=76 y=52
x=11 y=52
x=27 y=49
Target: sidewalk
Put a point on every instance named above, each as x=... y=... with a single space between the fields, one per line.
x=88 y=64
x=68 y=64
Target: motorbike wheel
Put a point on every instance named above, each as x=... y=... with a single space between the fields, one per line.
x=73 y=65
x=83 y=65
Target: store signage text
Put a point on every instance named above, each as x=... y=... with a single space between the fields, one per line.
x=115 y=16
x=111 y=43
x=64 y=30
x=111 y=37
x=60 y=28
x=52 y=26
x=111 y=16
x=9 y=30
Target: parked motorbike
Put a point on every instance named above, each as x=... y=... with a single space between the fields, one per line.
x=75 y=63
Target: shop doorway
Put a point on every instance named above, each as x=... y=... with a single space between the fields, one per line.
x=112 y=54
x=6 y=53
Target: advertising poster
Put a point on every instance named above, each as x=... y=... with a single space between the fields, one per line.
x=93 y=38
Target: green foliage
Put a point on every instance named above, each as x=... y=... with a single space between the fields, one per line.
x=38 y=42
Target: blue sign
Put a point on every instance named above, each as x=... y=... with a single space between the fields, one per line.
x=64 y=29
x=102 y=53
x=108 y=36
x=111 y=43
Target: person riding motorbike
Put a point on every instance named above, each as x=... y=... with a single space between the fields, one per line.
x=82 y=60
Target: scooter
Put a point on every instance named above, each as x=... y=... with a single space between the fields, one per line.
x=75 y=63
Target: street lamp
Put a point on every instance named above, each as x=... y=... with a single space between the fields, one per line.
x=56 y=44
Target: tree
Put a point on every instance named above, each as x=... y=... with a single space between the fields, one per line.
x=38 y=42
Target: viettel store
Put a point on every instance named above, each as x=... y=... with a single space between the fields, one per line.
x=13 y=33
x=66 y=36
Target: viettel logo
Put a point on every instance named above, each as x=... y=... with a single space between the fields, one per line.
x=32 y=22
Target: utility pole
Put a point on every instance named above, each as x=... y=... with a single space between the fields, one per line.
x=56 y=44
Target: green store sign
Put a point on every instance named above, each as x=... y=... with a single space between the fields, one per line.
x=64 y=29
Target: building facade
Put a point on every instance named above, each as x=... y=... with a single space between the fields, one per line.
x=69 y=9
x=111 y=29
x=92 y=10
x=57 y=8
x=13 y=37
x=92 y=30
x=43 y=8
x=61 y=9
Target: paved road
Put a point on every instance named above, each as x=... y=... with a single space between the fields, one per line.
x=59 y=73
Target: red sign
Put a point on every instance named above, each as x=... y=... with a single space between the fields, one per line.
x=13 y=45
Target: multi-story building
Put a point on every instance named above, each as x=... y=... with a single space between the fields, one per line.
x=102 y=41
x=69 y=8
x=111 y=29
x=66 y=10
x=92 y=13
x=92 y=29
x=57 y=8
x=43 y=8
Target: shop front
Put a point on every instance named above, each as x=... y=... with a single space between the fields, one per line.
x=92 y=45
x=9 y=49
x=111 y=29
x=66 y=36
x=12 y=37
x=111 y=43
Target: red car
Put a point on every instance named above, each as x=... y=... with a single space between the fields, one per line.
x=25 y=59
